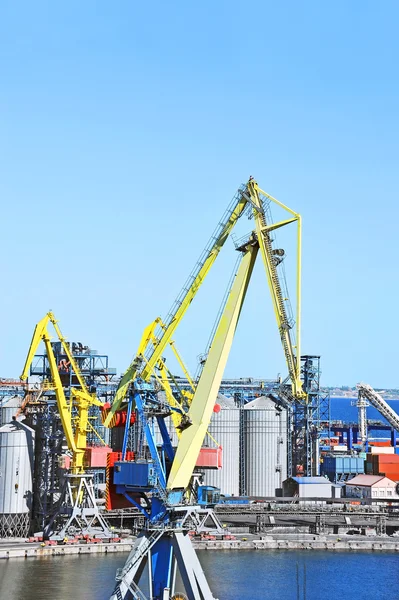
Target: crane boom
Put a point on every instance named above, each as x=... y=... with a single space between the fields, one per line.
x=182 y=303
x=248 y=194
x=208 y=386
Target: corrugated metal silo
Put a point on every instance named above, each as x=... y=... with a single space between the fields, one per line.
x=8 y=408
x=265 y=447
x=225 y=428
x=16 y=474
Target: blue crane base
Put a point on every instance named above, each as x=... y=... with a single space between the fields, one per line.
x=166 y=552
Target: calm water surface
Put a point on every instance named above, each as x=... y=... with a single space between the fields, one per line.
x=232 y=575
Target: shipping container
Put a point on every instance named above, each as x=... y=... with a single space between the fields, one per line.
x=382 y=450
x=342 y=465
x=380 y=444
x=96 y=456
x=210 y=458
x=386 y=458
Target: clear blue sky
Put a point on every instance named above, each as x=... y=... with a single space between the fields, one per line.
x=126 y=128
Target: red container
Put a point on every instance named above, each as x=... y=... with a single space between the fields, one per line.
x=210 y=458
x=389 y=469
x=387 y=458
x=114 y=457
x=383 y=444
x=112 y=499
x=96 y=456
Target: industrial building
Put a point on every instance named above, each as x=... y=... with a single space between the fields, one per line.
x=311 y=487
x=372 y=486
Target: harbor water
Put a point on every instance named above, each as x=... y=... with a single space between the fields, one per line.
x=249 y=575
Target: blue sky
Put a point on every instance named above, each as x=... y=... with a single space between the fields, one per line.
x=126 y=129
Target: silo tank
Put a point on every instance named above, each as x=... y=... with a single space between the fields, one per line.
x=225 y=428
x=8 y=408
x=16 y=478
x=265 y=447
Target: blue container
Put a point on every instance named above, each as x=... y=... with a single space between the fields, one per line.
x=134 y=476
x=397 y=450
x=342 y=465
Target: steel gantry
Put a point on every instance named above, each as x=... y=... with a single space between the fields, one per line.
x=78 y=509
x=160 y=484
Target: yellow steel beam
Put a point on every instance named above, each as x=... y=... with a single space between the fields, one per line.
x=62 y=404
x=298 y=218
x=262 y=229
x=36 y=339
x=131 y=372
x=182 y=365
x=274 y=226
x=208 y=386
x=68 y=352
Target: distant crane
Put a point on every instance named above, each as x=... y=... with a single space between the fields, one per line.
x=78 y=509
x=366 y=394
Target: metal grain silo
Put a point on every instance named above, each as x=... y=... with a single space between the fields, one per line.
x=8 y=408
x=225 y=428
x=16 y=474
x=265 y=447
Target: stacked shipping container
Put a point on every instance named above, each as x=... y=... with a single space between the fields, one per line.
x=383 y=464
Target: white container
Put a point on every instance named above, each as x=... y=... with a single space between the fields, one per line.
x=381 y=449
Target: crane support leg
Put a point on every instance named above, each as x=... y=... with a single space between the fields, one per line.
x=208 y=386
x=165 y=553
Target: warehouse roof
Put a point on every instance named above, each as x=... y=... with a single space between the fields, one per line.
x=365 y=480
x=306 y=480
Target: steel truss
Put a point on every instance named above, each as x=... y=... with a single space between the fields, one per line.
x=44 y=418
x=165 y=552
x=309 y=416
x=14 y=525
x=78 y=512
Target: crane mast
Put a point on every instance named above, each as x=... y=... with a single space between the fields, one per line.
x=163 y=482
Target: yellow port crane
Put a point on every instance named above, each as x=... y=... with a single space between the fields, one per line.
x=77 y=511
x=163 y=543
x=249 y=197
x=74 y=412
